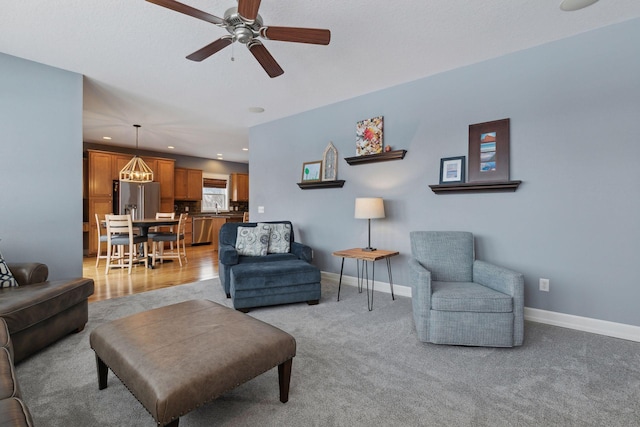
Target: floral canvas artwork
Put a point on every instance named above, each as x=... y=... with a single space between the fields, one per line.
x=369 y=136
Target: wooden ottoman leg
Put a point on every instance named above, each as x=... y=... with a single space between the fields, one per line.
x=102 y=373
x=284 y=378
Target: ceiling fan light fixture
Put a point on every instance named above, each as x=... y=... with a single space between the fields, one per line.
x=243 y=35
x=571 y=5
x=136 y=170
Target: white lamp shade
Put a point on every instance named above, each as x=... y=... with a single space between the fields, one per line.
x=369 y=208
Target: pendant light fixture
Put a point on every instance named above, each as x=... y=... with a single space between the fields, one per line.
x=136 y=170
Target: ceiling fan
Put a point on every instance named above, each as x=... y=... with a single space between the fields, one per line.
x=245 y=26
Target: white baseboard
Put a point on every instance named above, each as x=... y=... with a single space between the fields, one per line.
x=585 y=324
x=404 y=291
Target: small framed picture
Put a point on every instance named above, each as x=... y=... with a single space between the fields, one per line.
x=452 y=170
x=312 y=171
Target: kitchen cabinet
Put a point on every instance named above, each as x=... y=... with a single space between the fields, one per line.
x=100 y=183
x=100 y=206
x=194 y=184
x=180 y=184
x=187 y=184
x=239 y=187
x=153 y=165
x=188 y=231
x=215 y=231
x=100 y=180
x=118 y=161
x=165 y=176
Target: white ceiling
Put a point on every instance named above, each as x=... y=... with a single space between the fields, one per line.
x=132 y=54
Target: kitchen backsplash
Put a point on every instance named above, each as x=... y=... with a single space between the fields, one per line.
x=239 y=206
x=194 y=206
x=182 y=205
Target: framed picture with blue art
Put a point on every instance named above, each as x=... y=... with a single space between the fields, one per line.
x=489 y=151
x=312 y=171
x=452 y=170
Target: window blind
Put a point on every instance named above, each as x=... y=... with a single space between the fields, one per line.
x=214 y=183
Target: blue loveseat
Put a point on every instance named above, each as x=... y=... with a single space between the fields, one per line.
x=270 y=279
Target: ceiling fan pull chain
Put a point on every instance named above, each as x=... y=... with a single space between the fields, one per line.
x=232 y=53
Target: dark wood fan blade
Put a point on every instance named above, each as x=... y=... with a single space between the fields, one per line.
x=297 y=35
x=188 y=10
x=211 y=48
x=248 y=9
x=265 y=59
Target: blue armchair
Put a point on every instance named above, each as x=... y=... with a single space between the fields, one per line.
x=257 y=280
x=459 y=300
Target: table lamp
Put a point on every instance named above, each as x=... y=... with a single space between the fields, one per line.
x=369 y=208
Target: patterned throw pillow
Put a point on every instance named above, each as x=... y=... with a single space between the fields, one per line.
x=279 y=238
x=252 y=241
x=6 y=278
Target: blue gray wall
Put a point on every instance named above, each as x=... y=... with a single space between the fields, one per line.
x=41 y=165
x=574 y=107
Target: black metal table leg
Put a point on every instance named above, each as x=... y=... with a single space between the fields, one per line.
x=373 y=283
x=390 y=279
x=340 y=281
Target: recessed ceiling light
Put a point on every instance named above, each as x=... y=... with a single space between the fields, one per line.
x=219 y=154
x=106 y=137
x=571 y=5
x=245 y=149
x=256 y=110
x=171 y=147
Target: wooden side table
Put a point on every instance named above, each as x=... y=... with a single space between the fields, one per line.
x=363 y=256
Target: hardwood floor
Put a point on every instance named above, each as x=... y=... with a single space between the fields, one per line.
x=202 y=265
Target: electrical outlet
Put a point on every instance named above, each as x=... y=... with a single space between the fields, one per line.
x=260 y=209
x=544 y=285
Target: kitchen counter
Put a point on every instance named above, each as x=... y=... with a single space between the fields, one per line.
x=233 y=215
x=217 y=221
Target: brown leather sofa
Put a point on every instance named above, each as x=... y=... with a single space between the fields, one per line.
x=40 y=312
x=13 y=411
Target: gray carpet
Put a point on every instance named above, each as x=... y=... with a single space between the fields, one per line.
x=360 y=368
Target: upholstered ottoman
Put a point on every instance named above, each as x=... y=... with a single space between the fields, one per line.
x=277 y=282
x=176 y=358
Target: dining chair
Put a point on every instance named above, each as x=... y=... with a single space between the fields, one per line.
x=158 y=249
x=101 y=238
x=163 y=228
x=120 y=234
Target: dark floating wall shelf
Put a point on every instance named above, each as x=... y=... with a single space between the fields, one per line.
x=321 y=184
x=476 y=187
x=380 y=157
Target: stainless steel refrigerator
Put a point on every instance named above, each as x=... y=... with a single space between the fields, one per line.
x=140 y=200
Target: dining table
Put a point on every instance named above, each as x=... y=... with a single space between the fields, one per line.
x=146 y=223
